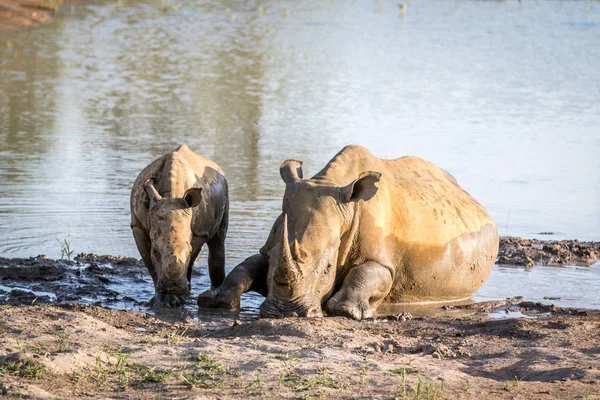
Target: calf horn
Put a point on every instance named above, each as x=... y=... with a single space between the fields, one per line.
x=286 y=267
x=151 y=190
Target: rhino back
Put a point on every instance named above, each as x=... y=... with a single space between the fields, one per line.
x=442 y=242
x=429 y=206
x=437 y=240
x=416 y=199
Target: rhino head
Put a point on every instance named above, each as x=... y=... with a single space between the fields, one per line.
x=170 y=223
x=304 y=262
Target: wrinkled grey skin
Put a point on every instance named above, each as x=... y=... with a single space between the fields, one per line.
x=363 y=232
x=179 y=203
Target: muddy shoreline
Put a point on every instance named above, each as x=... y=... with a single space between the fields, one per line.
x=54 y=346
x=102 y=280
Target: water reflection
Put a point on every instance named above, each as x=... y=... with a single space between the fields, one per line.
x=504 y=96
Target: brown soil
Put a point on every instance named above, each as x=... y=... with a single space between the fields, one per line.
x=85 y=351
x=16 y=14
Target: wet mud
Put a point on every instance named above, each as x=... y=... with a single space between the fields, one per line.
x=87 y=279
x=124 y=282
x=530 y=252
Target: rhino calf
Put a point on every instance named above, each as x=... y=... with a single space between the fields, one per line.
x=365 y=232
x=178 y=203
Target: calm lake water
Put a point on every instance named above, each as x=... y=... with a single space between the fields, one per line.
x=504 y=95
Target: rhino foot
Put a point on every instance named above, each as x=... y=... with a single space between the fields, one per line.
x=167 y=300
x=215 y=299
x=350 y=309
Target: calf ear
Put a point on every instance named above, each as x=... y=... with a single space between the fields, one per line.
x=291 y=171
x=363 y=188
x=193 y=197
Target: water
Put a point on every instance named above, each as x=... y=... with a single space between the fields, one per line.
x=504 y=95
x=568 y=286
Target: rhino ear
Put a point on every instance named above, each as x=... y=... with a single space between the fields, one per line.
x=363 y=188
x=291 y=171
x=193 y=197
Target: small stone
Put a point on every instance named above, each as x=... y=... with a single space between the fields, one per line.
x=368 y=349
x=238 y=322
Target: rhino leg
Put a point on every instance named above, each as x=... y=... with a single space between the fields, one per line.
x=196 y=248
x=364 y=288
x=216 y=253
x=216 y=261
x=142 y=241
x=250 y=275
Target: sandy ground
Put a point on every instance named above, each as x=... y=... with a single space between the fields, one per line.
x=78 y=351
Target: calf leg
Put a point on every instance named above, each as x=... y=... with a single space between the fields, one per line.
x=216 y=261
x=142 y=241
x=251 y=274
x=193 y=257
x=216 y=253
x=364 y=288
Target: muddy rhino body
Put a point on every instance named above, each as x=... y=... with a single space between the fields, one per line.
x=179 y=202
x=363 y=232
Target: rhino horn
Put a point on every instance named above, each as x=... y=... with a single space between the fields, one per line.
x=151 y=190
x=286 y=267
x=286 y=252
x=298 y=253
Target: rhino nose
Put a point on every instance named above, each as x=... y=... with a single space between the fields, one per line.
x=181 y=253
x=174 y=268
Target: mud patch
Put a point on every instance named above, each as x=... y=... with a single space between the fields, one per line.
x=530 y=252
x=124 y=283
x=89 y=279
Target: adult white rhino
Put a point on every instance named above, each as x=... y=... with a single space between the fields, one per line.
x=362 y=232
x=179 y=203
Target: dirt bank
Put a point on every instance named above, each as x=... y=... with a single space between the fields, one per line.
x=85 y=351
x=16 y=14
